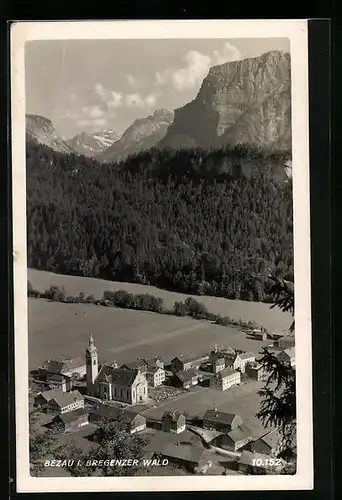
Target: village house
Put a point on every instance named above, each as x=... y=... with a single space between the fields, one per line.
x=71 y=421
x=43 y=398
x=218 y=364
x=266 y=444
x=240 y=360
x=225 y=379
x=173 y=421
x=221 y=421
x=155 y=375
x=138 y=365
x=259 y=334
x=194 y=459
x=119 y=384
x=255 y=371
x=186 y=378
x=288 y=356
x=155 y=360
x=285 y=342
x=132 y=422
x=64 y=402
x=181 y=364
x=59 y=381
x=252 y=463
x=235 y=439
x=69 y=367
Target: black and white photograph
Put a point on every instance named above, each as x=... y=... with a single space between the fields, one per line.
x=161 y=255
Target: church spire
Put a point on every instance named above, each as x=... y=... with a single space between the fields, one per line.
x=91 y=340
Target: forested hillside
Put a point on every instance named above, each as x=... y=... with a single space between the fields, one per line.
x=192 y=221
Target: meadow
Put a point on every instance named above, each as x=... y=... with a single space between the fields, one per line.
x=57 y=329
x=261 y=313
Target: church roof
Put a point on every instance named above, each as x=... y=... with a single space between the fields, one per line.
x=118 y=376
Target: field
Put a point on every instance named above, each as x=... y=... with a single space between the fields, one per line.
x=272 y=319
x=242 y=400
x=57 y=329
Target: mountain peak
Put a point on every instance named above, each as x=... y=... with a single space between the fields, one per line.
x=93 y=143
x=40 y=130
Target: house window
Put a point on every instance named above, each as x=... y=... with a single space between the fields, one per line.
x=94 y=362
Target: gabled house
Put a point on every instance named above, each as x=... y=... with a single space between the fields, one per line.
x=194 y=459
x=120 y=384
x=72 y=421
x=173 y=421
x=240 y=360
x=154 y=360
x=217 y=365
x=139 y=365
x=255 y=371
x=288 y=356
x=59 y=381
x=179 y=363
x=235 y=439
x=69 y=367
x=224 y=379
x=221 y=421
x=130 y=421
x=43 y=398
x=285 y=342
x=266 y=444
x=155 y=375
x=186 y=378
x=64 y=402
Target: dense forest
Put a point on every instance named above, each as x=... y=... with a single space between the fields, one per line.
x=192 y=221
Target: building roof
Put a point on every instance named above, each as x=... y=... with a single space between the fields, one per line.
x=186 y=453
x=186 y=375
x=254 y=365
x=119 y=376
x=48 y=395
x=290 y=352
x=71 y=416
x=153 y=369
x=153 y=360
x=67 y=398
x=175 y=416
x=191 y=358
x=226 y=372
x=241 y=432
x=220 y=416
x=271 y=439
x=58 y=377
x=246 y=457
x=57 y=366
x=246 y=355
x=219 y=361
x=134 y=365
x=106 y=411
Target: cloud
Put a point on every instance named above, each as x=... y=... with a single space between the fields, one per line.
x=112 y=99
x=196 y=67
x=134 y=82
x=100 y=122
x=93 y=111
x=84 y=123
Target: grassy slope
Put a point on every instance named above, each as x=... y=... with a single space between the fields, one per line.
x=272 y=319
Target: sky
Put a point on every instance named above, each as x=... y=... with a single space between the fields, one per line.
x=91 y=85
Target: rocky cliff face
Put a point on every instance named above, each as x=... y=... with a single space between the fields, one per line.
x=143 y=134
x=240 y=102
x=92 y=144
x=40 y=130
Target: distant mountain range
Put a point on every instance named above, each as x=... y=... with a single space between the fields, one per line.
x=240 y=102
x=92 y=144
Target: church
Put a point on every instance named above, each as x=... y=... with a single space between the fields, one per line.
x=112 y=383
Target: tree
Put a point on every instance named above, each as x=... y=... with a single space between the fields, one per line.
x=278 y=405
x=41 y=443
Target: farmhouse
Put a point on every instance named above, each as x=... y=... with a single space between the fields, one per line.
x=288 y=356
x=155 y=360
x=72 y=420
x=104 y=412
x=240 y=360
x=259 y=335
x=266 y=444
x=221 y=421
x=252 y=463
x=64 y=402
x=255 y=371
x=128 y=386
x=225 y=379
x=69 y=367
x=218 y=364
x=132 y=422
x=155 y=375
x=181 y=364
x=43 y=398
x=139 y=365
x=186 y=378
x=173 y=422
x=194 y=459
x=235 y=439
x=285 y=342
x=59 y=381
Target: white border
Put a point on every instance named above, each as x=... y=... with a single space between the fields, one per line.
x=296 y=31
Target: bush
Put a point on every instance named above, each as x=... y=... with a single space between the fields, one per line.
x=56 y=293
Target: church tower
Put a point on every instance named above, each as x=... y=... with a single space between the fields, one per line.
x=92 y=364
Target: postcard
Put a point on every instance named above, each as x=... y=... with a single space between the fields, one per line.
x=161 y=239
